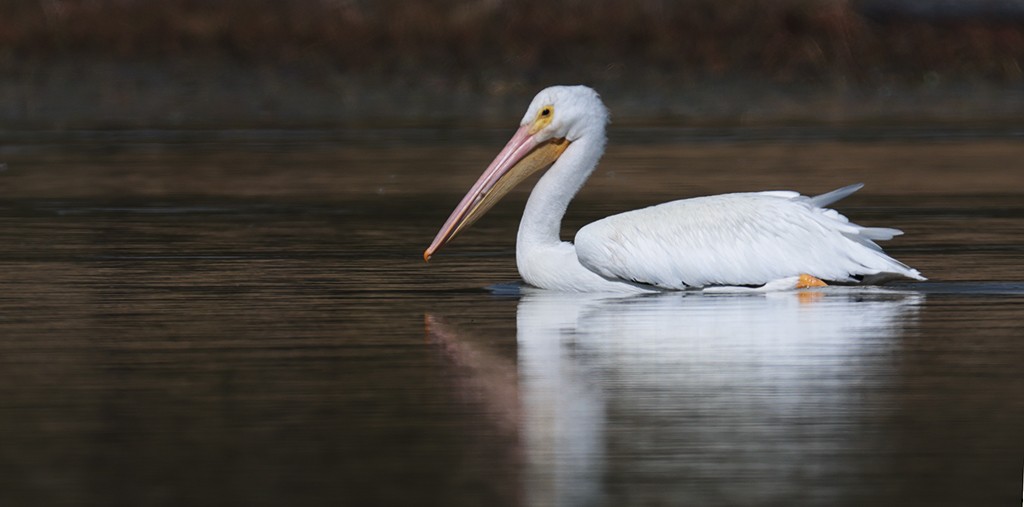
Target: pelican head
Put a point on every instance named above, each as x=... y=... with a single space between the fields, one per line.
x=557 y=116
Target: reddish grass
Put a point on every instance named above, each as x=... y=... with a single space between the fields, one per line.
x=782 y=40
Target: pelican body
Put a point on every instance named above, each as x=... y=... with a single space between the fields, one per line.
x=775 y=239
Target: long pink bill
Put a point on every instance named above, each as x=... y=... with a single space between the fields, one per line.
x=522 y=156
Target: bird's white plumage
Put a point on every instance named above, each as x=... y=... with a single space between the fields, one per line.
x=732 y=239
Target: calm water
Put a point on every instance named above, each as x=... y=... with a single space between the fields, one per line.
x=243 y=318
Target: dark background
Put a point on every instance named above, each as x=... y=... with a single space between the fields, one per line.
x=74 y=64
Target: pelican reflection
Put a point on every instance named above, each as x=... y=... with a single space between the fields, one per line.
x=692 y=394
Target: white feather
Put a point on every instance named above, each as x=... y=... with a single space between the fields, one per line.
x=733 y=239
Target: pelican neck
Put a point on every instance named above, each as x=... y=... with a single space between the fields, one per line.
x=542 y=218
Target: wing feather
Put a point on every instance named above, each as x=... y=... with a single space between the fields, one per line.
x=736 y=239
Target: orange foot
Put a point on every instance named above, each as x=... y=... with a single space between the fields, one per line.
x=807 y=281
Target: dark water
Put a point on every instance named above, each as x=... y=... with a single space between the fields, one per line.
x=244 y=319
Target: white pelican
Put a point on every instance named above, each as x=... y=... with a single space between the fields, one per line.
x=772 y=240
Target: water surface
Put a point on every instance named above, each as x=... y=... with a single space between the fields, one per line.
x=218 y=318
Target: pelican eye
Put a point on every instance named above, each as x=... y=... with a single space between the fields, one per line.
x=543 y=118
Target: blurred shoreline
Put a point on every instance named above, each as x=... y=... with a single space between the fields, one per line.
x=123 y=64
x=213 y=93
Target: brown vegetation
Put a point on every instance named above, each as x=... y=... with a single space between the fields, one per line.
x=784 y=40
